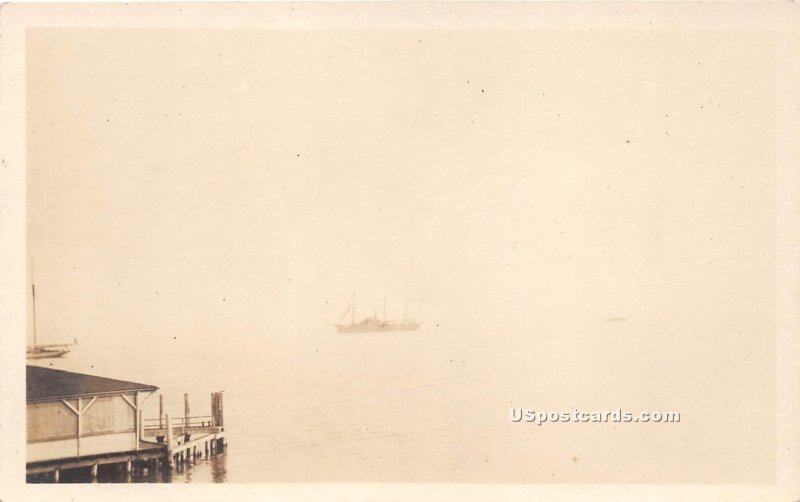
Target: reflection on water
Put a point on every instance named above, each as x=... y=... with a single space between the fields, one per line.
x=218 y=471
x=210 y=470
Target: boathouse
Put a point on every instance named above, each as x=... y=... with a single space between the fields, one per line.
x=73 y=415
x=77 y=421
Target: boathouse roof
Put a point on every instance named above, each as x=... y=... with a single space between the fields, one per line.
x=45 y=384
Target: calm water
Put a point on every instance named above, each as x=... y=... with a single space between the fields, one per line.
x=408 y=406
x=432 y=405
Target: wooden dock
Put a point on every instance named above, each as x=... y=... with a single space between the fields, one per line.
x=163 y=443
x=188 y=438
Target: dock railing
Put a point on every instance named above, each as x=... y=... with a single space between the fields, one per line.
x=179 y=431
x=187 y=424
x=179 y=422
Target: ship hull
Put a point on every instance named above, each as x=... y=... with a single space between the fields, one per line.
x=377 y=327
x=45 y=353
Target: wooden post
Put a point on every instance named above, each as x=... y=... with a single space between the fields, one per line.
x=78 y=439
x=160 y=411
x=170 y=444
x=138 y=417
x=220 y=420
x=216 y=409
x=185 y=411
x=141 y=430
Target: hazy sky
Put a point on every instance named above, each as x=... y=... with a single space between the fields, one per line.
x=525 y=187
x=280 y=170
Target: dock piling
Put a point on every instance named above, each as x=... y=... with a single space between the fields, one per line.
x=213 y=403
x=216 y=409
x=185 y=409
x=170 y=444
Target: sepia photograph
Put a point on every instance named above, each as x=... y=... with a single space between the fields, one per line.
x=395 y=250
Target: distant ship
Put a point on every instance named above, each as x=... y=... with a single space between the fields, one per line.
x=374 y=324
x=38 y=351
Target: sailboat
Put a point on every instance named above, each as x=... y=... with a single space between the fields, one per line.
x=41 y=351
x=374 y=324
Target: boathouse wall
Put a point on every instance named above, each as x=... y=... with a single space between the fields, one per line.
x=103 y=424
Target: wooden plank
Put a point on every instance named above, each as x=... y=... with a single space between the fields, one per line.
x=189 y=430
x=101 y=460
x=196 y=441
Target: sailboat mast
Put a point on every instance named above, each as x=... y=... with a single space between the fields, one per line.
x=33 y=291
x=384 y=308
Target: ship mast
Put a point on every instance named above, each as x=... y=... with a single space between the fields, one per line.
x=353 y=310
